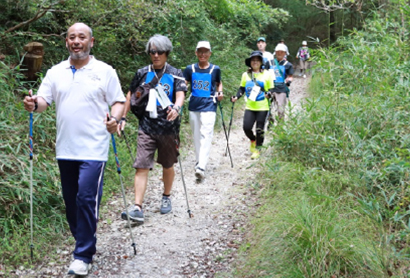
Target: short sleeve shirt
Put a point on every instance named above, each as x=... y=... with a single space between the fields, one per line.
x=159 y=125
x=280 y=87
x=265 y=78
x=267 y=60
x=82 y=99
x=203 y=104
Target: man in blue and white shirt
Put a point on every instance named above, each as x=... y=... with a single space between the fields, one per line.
x=206 y=90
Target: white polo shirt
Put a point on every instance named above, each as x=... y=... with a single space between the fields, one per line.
x=82 y=100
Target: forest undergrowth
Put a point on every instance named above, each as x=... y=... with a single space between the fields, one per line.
x=336 y=186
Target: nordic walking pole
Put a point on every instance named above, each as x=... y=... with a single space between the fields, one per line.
x=229 y=128
x=226 y=135
x=128 y=145
x=30 y=92
x=186 y=194
x=182 y=173
x=268 y=115
x=122 y=189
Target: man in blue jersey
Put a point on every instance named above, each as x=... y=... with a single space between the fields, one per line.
x=159 y=127
x=267 y=56
x=206 y=90
x=283 y=70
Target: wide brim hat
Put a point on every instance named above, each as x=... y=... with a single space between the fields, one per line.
x=253 y=54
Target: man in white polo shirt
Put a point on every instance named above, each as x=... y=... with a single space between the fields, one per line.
x=82 y=88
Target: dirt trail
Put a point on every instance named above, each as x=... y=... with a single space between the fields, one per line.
x=175 y=245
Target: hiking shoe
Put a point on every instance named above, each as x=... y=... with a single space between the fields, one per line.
x=255 y=154
x=78 y=267
x=253 y=146
x=135 y=213
x=199 y=174
x=165 y=205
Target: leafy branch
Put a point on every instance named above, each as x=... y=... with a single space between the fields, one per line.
x=39 y=14
x=332 y=5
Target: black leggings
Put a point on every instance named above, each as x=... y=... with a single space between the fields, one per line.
x=249 y=120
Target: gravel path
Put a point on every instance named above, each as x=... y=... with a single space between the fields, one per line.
x=175 y=245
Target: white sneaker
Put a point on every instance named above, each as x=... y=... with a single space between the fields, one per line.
x=304 y=76
x=78 y=267
x=300 y=74
x=199 y=174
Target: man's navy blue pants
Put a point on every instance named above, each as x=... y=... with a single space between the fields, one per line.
x=82 y=184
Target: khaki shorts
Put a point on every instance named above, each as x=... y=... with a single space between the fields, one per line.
x=147 y=145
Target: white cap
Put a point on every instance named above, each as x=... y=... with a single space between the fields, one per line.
x=203 y=44
x=304 y=43
x=280 y=47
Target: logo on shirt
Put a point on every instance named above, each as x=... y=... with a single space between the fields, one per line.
x=94 y=77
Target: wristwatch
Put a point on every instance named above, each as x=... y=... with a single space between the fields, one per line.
x=112 y=117
x=176 y=108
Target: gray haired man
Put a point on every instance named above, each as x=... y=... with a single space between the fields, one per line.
x=159 y=128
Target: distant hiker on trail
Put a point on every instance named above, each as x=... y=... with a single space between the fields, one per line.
x=267 y=56
x=303 y=55
x=82 y=88
x=283 y=78
x=282 y=42
x=256 y=84
x=159 y=126
x=206 y=90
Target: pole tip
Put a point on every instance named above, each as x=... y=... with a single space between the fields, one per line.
x=31 y=251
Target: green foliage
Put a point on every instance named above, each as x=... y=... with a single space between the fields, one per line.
x=15 y=173
x=307 y=22
x=121 y=29
x=338 y=198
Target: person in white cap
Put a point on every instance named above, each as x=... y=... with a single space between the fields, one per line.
x=282 y=41
x=283 y=70
x=206 y=90
x=303 y=55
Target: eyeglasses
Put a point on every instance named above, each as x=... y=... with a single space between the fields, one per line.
x=153 y=52
x=203 y=52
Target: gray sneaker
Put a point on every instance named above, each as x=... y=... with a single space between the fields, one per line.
x=135 y=213
x=165 y=205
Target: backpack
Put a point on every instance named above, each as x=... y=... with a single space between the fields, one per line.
x=304 y=53
x=139 y=99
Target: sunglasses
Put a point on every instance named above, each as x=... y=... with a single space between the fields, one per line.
x=153 y=52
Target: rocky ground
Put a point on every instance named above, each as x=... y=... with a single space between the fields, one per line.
x=175 y=245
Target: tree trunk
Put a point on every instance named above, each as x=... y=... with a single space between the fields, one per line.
x=33 y=59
